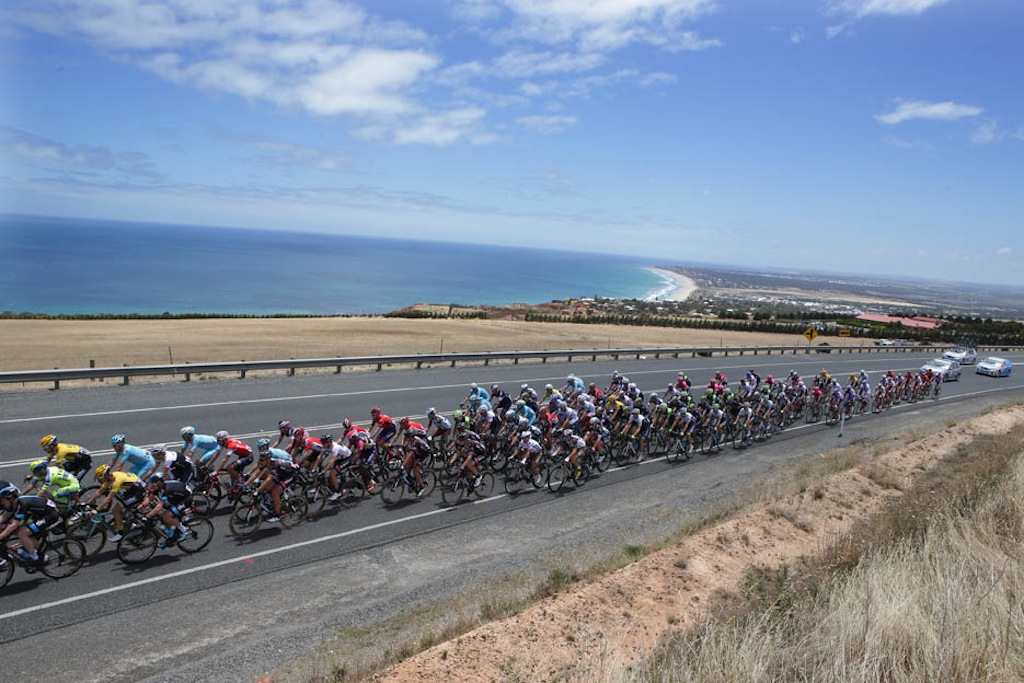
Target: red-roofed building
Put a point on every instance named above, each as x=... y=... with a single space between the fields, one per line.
x=920 y=322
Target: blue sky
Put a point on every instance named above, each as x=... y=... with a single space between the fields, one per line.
x=863 y=136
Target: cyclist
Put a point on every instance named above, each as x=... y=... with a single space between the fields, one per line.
x=169 y=499
x=439 y=428
x=199 y=447
x=70 y=457
x=529 y=451
x=231 y=447
x=523 y=410
x=477 y=393
x=130 y=458
x=29 y=516
x=54 y=483
x=382 y=427
x=285 y=431
x=576 y=445
x=123 y=487
x=500 y=400
x=637 y=427
x=275 y=472
x=573 y=385
x=174 y=466
x=330 y=452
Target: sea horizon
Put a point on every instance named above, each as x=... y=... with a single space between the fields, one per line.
x=75 y=266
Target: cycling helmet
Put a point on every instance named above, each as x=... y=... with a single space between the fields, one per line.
x=101 y=472
x=524 y=386
x=523 y=436
x=520 y=403
x=567 y=432
x=48 y=441
x=509 y=414
x=404 y=422
x=300 y=433
x=158 y=449
x=494 y=387
x=636 y=411
x=262 y=445
x=472 y=386
x=326 y=438
x=117 y=440
x=346 y=424
x=156 y=478
x=595 y=421
x=431 y=412
x=548 y=387
x=283 y=425
x=188 y=432
x=8 y=489
x=37 y=465
x=221 y=436
x=375 y=411
x=482 y=410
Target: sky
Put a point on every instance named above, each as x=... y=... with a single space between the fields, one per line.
x=879 y=137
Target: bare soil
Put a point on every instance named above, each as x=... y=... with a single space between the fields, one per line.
x=587 y=630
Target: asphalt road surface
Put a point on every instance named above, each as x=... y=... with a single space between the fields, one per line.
x=240 y=609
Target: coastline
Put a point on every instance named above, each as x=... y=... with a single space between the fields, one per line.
x=678 y=287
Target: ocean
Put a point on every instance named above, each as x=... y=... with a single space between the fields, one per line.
x=74 y=266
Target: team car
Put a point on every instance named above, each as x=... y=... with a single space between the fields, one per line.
x=962 y=354
x=994 y=367
x=949 y=369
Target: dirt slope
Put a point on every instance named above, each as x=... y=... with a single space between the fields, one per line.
x=619 y=618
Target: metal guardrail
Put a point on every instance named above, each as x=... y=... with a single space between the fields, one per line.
x=126 y=372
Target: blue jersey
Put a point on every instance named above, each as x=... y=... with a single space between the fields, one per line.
x=203 y=446
x=528 y=413
x=480 y=392
x=136 y=460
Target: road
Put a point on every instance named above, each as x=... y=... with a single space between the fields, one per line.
x=240 y=609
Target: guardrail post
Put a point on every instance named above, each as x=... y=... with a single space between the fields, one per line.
x=56 y=383
x=337 y=369
x=487 y=361
x=124 y=382
x=453 y=362
x=569 y=359
x=380 y=366
x=241 y=374
x=419 y=364
x=593 y=357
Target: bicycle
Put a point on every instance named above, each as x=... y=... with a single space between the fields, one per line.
x=91 y=529
x=454 y=489
x=394 y=488
x=57 y=559
x=144 y=538
x=563 y=476
x=518 y=476
x=247 y=517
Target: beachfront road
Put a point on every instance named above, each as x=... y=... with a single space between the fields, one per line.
x=240 y=609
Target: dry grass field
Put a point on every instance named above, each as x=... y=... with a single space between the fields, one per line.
x=48 y=344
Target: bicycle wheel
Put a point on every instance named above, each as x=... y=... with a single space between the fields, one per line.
x=515 y=480
x=429 y=480
x=558 y=477
x=316 y=498
x=201 y=504
x=453 y=490
x=92 y=535
x=486 y=486
x=245 y=520
x=500 y=460
x=294 y=509
x=201 y=534
x=63 y=558
x=6 y=569
x=352 y=491
x=392 y=490
x=137 y=546
x=674 y=449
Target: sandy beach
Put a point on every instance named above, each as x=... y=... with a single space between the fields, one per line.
x=678 y=286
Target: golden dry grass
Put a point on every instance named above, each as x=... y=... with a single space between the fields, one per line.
x=48 y=344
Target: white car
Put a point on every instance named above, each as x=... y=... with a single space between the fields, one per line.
x=994 y=367
x=949 y=369
x=962 y=355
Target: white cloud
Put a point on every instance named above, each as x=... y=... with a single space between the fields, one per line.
x=797 y=36
x=547 y=124
x=935 y=111
x=986 y=133
x=53 y=157
x=325 y=56
x=864 y=8
x=1004 y=251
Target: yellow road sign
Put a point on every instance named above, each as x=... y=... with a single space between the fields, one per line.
x=844 y=332
x=810 y=333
